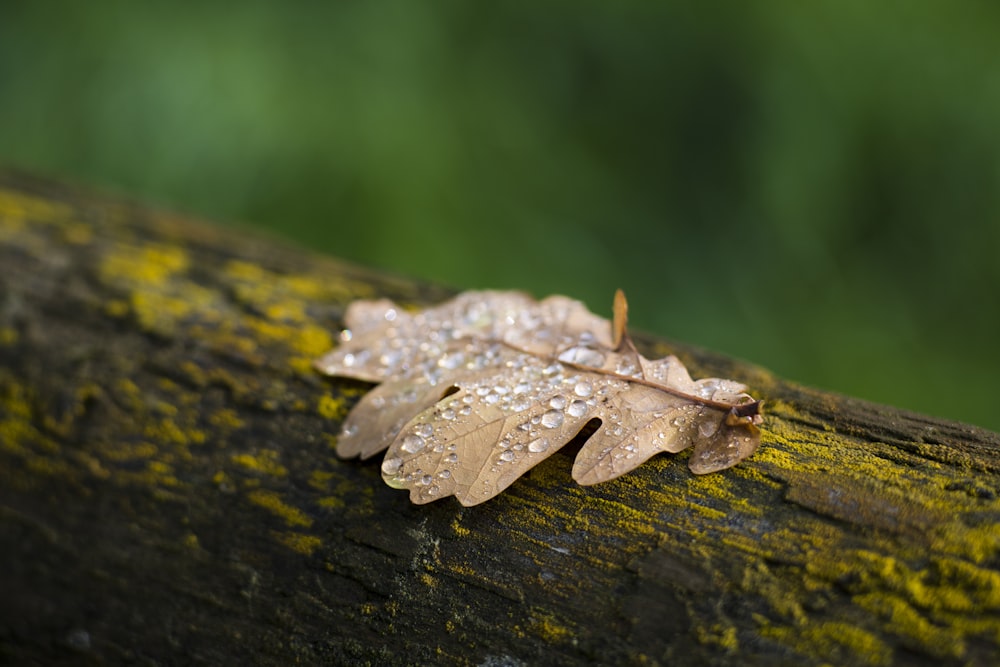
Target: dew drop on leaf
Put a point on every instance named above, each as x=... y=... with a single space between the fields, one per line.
x=582 y=356
x=522 y=368
x=413 y=444
x=552 y=419
x=538 y=445
x=708 y=428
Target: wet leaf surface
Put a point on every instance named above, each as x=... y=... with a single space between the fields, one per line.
x=476 y=391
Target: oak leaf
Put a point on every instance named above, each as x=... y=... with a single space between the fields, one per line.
x=476 y=391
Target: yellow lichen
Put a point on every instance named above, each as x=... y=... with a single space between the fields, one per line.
x=264 y=462
x=299 y=542
x=834 y=641
x=78 y=233
x=723 y=635
x=331 y=502
x=544 y=624
x=320 y=480
x=980 y=587
x=311 y=340
x=459 y=529
x=331 y=408
x=156 y=474
x=273 y=503
x=8 y=335
x=19 y=206
x=168 y=431
x=222 y=480
x=225 y=418
x=904 y=621
x=289 y=311
x=142 y=264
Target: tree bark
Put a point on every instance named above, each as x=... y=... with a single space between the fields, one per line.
x=169 y=492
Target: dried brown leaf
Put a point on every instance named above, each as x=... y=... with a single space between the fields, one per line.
x=476 y=391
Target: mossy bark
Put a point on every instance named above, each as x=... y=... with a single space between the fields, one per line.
x=169 y=492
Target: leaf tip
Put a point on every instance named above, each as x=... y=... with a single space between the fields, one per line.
x=620 y=318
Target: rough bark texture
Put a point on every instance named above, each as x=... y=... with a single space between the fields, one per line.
x=169 y=493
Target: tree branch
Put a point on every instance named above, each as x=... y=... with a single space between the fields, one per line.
x=169 y=492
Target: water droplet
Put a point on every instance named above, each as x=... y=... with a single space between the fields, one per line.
x=538 y=445
x=346 y=335
x=558 y=402
x=577 y=409
x=583 y=389
x=482 y=391
x=707 y=428
x=626 y=367
x=424 y=430
x=507 y=455
x=413 y=444
x=390 y=358
x=451 y=361
x=521 y=404
x=552 y=419
x=444 y=474
x=468 y=399
x=451 y=458
x=426 y=479
x=349 y=431
x=447 y=414
x=378 y=402
x=582 y=356
x=465 y=411
x=490 y=399
x=390 y=315
x=501 y=390
x=433 y=490
x=392 y=466
x=522 y=388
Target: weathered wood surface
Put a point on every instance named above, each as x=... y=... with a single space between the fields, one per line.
x=169 y=493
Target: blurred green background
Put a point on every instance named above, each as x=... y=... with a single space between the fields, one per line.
x=814 y=187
